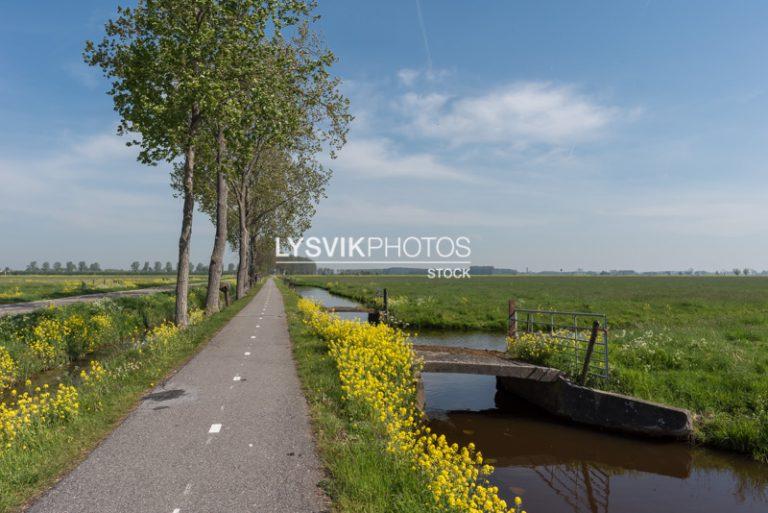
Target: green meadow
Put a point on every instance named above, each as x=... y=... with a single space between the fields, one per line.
x=33 y=287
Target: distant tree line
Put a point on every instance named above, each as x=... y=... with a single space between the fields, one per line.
x=266 y=260
x=57 y=267
x=83 y=267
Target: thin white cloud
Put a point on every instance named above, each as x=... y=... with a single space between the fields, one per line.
x=102 y=147
x=713 y=214
x=408 y=76
x=379 y=158
x=353 y=212
x=95 y=182
x=82 y=73
x=90 y=199
x=521 y=114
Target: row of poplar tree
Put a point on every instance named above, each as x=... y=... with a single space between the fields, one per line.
x=238 y=95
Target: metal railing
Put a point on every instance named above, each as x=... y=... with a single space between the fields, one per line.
x=586 y=334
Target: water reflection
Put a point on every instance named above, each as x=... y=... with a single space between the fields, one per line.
x=471 y=339
x=562 y=468
x=559 y=467
x=325 y=298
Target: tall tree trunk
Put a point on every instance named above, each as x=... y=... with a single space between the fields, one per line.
x=220 y=242
x=252 y=258
x=242 y=264
x=182 y=272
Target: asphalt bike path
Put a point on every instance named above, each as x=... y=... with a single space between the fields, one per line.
x=229 y=432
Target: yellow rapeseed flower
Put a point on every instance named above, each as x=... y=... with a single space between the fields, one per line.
x=8 y=369
x=378 y=368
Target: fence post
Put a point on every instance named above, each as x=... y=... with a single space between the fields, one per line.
x=225 y=289
x=386 y=303
x=588 y=356
x=512 y=319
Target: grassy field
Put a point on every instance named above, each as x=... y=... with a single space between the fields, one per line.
x=696 y=342
x=33 y=287
x=33 y=459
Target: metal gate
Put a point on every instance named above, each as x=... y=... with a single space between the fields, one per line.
x=586 y=334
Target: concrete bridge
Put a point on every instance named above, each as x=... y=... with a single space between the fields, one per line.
x=551 y=390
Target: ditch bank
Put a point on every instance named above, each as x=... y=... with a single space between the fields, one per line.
x=550 y=390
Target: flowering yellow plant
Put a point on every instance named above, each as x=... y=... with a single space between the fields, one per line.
x=101 y=321
x=539 y=347
x=33 y=411
x=377 y=368
x=44 y=352
x=196 y=315
x=9 y=295
x=96 y=373
x=101 y=324
x=161 y=336
x=51 y=330
x=8 y=369
x=49 y=342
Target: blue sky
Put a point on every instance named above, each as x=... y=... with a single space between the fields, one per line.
x=595 y=135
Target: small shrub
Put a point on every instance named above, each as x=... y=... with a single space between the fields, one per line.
x=49 y=342
x=539 y=348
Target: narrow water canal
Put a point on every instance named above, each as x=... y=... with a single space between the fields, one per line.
x=564 y=468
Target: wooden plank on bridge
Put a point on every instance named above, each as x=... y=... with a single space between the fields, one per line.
x=478 y=361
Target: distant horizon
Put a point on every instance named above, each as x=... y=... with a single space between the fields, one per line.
x=518 y=271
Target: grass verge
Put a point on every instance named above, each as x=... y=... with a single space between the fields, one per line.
x=362 y=476
x=26 y=470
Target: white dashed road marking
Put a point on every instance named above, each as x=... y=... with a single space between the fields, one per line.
x=215 y=428
x=247 y=353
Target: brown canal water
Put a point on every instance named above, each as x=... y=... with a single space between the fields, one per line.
x=559 y=467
